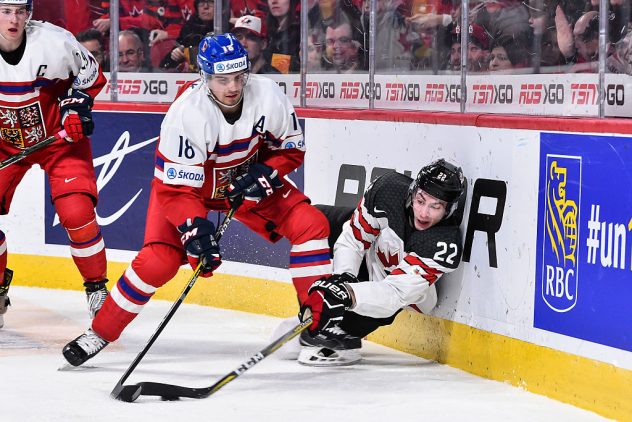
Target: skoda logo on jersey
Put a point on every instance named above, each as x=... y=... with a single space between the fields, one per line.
x=172 y=173
x=290 y=145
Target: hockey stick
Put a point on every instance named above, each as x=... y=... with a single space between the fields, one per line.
x=129 y=392
x=30 y=150
x=174 y=392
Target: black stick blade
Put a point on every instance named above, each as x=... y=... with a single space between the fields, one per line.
x=170 y=391
x=126 y=393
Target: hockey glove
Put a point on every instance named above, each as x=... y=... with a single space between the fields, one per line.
x=259 y=182
x=76 y=115
x=199 y=243
x=328 y=300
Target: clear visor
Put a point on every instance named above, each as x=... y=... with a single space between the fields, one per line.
x=225 y=80
x=7 y=10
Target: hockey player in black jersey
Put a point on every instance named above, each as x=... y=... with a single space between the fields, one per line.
x=402 y=237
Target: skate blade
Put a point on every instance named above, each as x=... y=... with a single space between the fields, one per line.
x=66 y=367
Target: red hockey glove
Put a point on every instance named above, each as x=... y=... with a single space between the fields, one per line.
x=76 y=115
x=259 y=182
x=328 y=300
x=198 y=239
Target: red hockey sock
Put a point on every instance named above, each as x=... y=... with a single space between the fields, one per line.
x=76 y=213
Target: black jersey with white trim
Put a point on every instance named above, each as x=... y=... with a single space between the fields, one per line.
x=406 y=262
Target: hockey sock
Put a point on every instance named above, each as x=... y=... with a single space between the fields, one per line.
x=309 y=262
x=76 y=212
x=154 y=265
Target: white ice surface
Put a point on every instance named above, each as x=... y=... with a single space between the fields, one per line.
x=200 y=345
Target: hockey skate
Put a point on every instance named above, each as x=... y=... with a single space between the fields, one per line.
x=4 y=290
x=330 y=347
x=95 y=295
x=84 y=347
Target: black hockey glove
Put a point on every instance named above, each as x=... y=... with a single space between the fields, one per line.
x=76 y=115
x=328 y=300
x=259 y=182
x=198 y=239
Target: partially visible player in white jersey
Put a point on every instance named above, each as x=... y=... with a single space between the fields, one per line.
x=407 y=233
x=227 y=141
x=47 y=83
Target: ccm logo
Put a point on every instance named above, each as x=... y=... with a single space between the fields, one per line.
x=71 y=100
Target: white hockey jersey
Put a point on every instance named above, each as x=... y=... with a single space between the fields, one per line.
x=403 y=263
x=201 y=152
x=52 y=63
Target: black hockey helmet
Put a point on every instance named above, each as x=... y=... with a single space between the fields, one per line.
x=442 y=180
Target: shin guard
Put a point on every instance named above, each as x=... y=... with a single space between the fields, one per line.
x=76 y=213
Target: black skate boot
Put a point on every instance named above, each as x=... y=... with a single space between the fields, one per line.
x=83 y=347
x=330 y=347
x=4 y=291
x=96 y=292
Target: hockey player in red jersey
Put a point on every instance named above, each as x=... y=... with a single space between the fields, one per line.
x=407 y=233
x=229 y=139
x=47 y=83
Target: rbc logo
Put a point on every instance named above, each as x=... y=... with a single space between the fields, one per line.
x=560 y=276
x=171 y=173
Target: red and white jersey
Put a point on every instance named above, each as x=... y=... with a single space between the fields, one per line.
x=403 y=263
x=52 y=63
x=199 y=153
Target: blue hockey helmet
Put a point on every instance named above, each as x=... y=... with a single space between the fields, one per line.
x=220 y=54
x=441 y=179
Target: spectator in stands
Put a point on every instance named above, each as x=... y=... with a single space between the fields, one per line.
x=91 y=40
x=579 y=45
x=477 y=49
x=434 y=22
x=619 y=17
x=546 y=53
x=503 y=19
x=131 y=52
x=130 y=12
x=315 y=49
x=239 y=8
x=507 y=55
x=423 y=48
x=393 y=40
x=454 y=55
x=163 y=19
x=342 y=49
x=433 y=14
x=183 y=57
x=620 y=61
x=250 y=32
x=325 y=13
x=284 y=35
